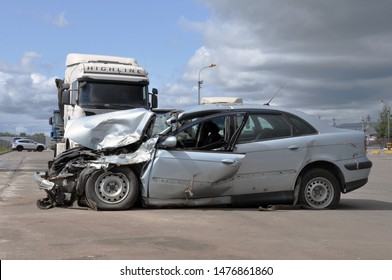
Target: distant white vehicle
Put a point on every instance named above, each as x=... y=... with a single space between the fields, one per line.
x=27 y=144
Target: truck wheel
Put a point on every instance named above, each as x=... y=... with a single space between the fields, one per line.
x=319 y=190
x=116 y=189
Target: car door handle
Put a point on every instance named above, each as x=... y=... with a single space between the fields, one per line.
x=293 y=147
x=229 y=161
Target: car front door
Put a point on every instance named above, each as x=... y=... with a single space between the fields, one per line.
x=195 y=168
x=28 y=144
x=32 y=145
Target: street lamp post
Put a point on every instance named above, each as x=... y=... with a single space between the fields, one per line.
x=199 y=82
x=388 y=117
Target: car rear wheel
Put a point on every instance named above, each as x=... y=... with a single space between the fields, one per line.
x=19 y=148
x=116 y=189
x=40 y=148
x=319 y=190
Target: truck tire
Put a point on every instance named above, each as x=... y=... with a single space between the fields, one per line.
x=116 y=189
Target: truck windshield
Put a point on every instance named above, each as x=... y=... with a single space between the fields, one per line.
x=112 y=96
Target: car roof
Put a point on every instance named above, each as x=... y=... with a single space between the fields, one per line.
x=24 y=139
x=208 y=109
x=223 y=107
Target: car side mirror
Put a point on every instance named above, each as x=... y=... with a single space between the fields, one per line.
x=169 y=142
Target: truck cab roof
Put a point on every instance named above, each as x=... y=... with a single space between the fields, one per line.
x=76 y=58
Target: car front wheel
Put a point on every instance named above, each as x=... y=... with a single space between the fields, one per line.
x=116 y=189
x=319 y=190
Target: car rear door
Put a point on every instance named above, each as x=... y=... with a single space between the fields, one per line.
x=274 y=153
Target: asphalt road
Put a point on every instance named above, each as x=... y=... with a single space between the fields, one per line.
x=360 y=229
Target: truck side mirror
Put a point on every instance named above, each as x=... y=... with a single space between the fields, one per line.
x=65 y=86
x=66 y=97
x=154 y=98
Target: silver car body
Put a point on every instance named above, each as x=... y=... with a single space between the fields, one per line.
x=246 y=166
x=253 y=172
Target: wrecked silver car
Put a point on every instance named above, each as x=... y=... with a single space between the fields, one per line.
x=210 y=155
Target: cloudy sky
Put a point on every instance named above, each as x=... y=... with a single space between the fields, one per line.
x=333 y=57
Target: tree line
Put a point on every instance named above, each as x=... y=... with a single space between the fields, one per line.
x=22 y=135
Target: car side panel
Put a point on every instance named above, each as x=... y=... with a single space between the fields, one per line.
x=190 y=174
x=30 y=145
x=270 y=166
x=344 y=149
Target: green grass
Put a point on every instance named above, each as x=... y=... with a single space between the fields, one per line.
x=4 y=149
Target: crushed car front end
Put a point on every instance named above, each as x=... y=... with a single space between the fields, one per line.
x=103 y=173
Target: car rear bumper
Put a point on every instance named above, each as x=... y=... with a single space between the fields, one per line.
x=356 y=173
x=348 y=187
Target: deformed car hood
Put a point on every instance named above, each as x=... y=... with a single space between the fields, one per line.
x=110 y=130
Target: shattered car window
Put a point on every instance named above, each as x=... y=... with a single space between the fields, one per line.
x=208 y=134
x=161 y=123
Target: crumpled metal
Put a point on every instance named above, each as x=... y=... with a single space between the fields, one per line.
x=110 y=130
x=142 y=154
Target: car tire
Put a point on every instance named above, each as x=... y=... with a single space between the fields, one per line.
x=19 y=148
x=116 y=189
x=40 y=149
x=319 y=190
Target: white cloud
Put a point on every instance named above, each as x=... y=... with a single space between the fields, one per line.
x=27 y=60
x=334 y=56
x=27 y=97
x=60 y=20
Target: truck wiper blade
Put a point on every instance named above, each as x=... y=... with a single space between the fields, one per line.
x=120 y=106
x=95 y=106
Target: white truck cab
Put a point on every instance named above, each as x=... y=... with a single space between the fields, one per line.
x=96 y=84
